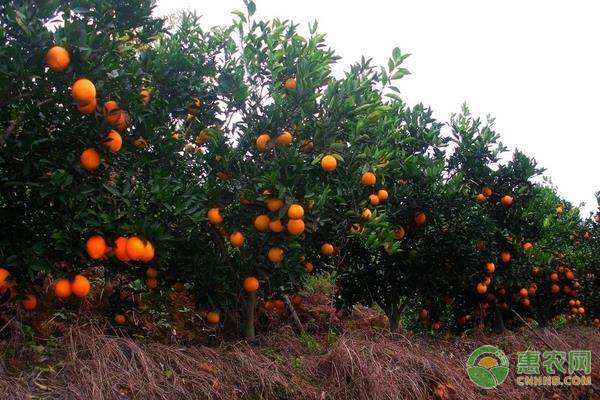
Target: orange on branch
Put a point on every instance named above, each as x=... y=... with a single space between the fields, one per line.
x=251 y=284
x=213 y=317
x=275 y=254
x=262 y=142
x=80 y=286
x=29 y=303
x=295 y=211
x=276 y=226
x=121 y=249
x=237 y=239
x=285 y=138
x=368 y=179
x=58 y=58
x=261 y=223
x=214 y=216
x=95 y=247
x=295 y=226
x=135 y=248
x=90 y=160
x=113 y=141
x=83 y=91
x=327 y=249
x=62 y=288
x=328 y=163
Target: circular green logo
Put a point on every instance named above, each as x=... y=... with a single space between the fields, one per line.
x=487 y=367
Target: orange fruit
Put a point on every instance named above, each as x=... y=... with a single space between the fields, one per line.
x=486 y=191
x=309 y=266
x=420 y=218
x=570 y=275
x=279 y=305
x=261 y=222
x=58 y=58
x=399 y=234
x=327 y=249
x=276 y=226
x=236 y=239
x=290 y=84
x=121 y=249
x=284 y=138
x=487 y=280
x=296 y=299
x=532 y=289
x=527 y=246
x=96 y=247
x=135 y=248
x=368 y=179
x=374 y=199
x=328 y=163
x=523 y=292
x=151 y=283
x=481 y=288
x=481 y=198
x=366 y=214
x=506 y=200
x=436 y=326
x=307 y=146
x=275 y=254
x=4 y=283
x=581 y=310
x=555 y=288
x=120 y=319
x=214 y=216
x=262 y=142
x=89 y=108
x=295 y=211
x=202 y=137
x=113 y=141
x=505 y=257
x=423 y=314
x=554 y=277
x=83 y=91
x=490 y=267
x=295 y=226
x=213 y=317
x=274 y=204
x=145 y=94
x=108 y=111
x=151 y=272
x=526 y=302
x=121 y=122
x=251 y=284
x=62 y=288
x=383 y=195
x=90 y=160
x=269 y=305
x=30 y=302
x=559 y=210
x=80 y=286
x=140 y=143
x=148 y=254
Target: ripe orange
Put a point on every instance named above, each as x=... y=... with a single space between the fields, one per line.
x=90 y=160
x=109 y=111
x=120 y=319
x=420 y=218
x=328 y=163
x=213 y=317
x=523 y=292
x=526 y=302
x=145 y=96
x=532 y=289
x=275 y=254
x=481 y=288
x=366 y=214
x=236 y=239
x=327 y=249
x=140 y=143
x=486 y=191
x=505 y=257
x=274 y=204
x=490 y=267
x=89 y=108
x=135 y=248
x=559 y=210
x=269 y=305
x=368 y=179
x=276 y=226
x=295 y=211
x=58 y=58
x=423 y=314
x=436 y=326
x=295 y=226
x=80 y=286
x=261 y=222
x=121 y=249
x=527 y=246
x=487 y=280
x=581 y=310
x=30 y=302
x=262 y=141
x=214 y=216
x=290 y=84
x=309 y=266
x=374 y=199
x=481 y=198
x=554 y=277
x=399 y=234
x=151 y=272
x=296 y=299
x=96 y=247
x=121 y=121
x=506 y=200
x=279 y=305
x=4 y=284
x=148 y=252
x=151 y=283
x=570 y=275
x=83 y=91
x=113 y=141
x=284 y=138
x=62 y=288
x=383 y=195
x=251 y=284
x=555 y=288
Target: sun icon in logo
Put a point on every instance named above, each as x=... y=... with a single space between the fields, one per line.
x=487 y=367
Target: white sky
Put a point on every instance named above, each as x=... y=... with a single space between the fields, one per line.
x=533 y=65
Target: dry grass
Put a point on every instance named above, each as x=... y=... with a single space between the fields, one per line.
x=364 y=364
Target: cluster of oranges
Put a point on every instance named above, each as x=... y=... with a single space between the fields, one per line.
x=80 y=287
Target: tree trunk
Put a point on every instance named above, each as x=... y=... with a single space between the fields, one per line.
x=498 y=321
x=394 y=313
x=249 y=309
